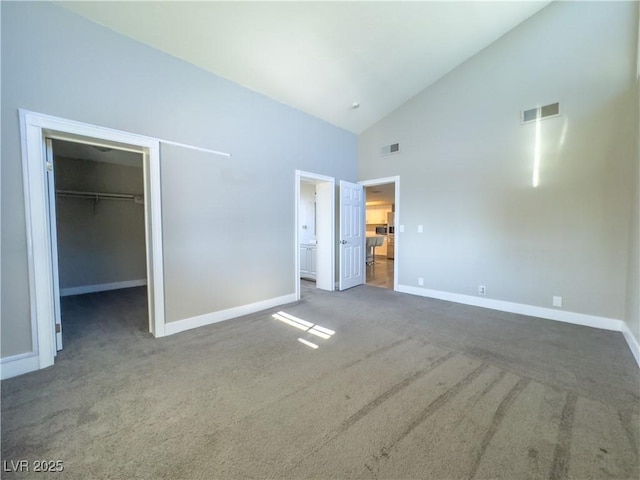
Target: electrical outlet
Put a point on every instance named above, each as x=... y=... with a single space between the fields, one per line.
x=557 y=302
x=420 y=229
x=420 y=281
x=482 y=290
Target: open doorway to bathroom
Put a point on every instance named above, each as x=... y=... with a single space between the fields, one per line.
x=315 y=227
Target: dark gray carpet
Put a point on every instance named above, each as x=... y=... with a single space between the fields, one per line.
x=407 y=387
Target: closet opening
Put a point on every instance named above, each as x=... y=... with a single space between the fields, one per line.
x=98 y=239
x=37 y=133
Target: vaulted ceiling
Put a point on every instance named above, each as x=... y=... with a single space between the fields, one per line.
x=319 y=57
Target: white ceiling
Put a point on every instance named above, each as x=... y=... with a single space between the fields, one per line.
x=319 y=57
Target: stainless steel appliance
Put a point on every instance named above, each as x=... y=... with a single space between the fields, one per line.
x=391 y=240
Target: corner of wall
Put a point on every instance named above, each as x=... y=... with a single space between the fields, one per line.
x=632 y=317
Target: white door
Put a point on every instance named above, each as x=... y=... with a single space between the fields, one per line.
x=51 y=191
x=351 y=235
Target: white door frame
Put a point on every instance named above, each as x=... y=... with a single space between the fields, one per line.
x=34 y=127
x=381 y=181
x=327 y=233
x=53 y=235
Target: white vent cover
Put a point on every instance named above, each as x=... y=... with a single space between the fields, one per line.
x=533 y=114
x=389 y=149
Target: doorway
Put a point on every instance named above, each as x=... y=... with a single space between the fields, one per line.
x=314 y=236
x=38 y=186
x=97 y=233
x=382 y=202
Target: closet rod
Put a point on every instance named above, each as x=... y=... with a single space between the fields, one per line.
x=102 y=195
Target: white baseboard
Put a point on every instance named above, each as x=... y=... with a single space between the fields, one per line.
x=533 y=311
x=19 y=364
x=215 y=317
x=103 y=287
x=520 y=308
x=632 y=342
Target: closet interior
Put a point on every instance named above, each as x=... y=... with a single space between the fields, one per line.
x=99 y=227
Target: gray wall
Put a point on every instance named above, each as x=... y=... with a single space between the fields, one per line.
x=100 y=242
x=466 y=165
x=228 y=224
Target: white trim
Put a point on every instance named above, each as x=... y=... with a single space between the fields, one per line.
x=45 y=119
x=296 y=236
x=193 y=147
x=38 y=241
x=29 y=231
x=102 y=287
x=315 y=176
x=155 y=250
x=219 y=316
x=34 y=127
x=381 y=181
x=520 y=308
x=53 y=237
x=18 y=364
x=94 y=142
x=632 y=342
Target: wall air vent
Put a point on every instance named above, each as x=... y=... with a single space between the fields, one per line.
x=389 y=149
x=533 y=114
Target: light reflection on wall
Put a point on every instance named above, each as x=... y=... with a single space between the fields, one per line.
x=563 y=135
x=537 y=147
x=536 y=156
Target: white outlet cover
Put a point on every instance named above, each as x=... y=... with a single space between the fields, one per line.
x=401 y=228
x=557 y=301
x=419 y=228
x=420 y=281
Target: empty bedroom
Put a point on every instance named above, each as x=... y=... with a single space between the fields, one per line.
x=377 y=240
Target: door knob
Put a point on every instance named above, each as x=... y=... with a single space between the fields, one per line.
x=343 y=242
